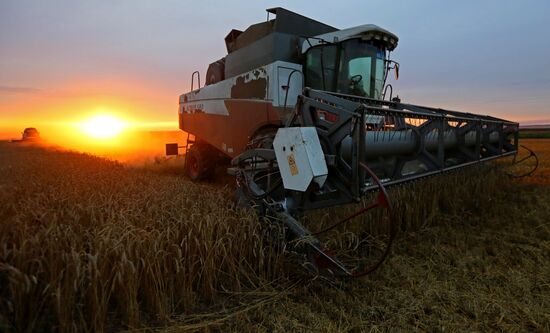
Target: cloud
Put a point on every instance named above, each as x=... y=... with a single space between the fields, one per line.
x=5 y=90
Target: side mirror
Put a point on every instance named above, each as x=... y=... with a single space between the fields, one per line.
x=172 y=149
x=396 y=67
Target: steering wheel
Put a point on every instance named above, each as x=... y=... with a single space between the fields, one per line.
x=356 y=79
x=355 y=86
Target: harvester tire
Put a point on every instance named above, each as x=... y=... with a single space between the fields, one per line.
x=199 y=162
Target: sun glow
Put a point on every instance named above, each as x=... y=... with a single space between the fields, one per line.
x=103 y=126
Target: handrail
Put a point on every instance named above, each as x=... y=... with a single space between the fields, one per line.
x=198 y=79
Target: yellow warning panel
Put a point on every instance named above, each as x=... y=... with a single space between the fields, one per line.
x=292 y=165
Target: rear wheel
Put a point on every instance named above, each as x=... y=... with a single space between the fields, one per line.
x=200 y=161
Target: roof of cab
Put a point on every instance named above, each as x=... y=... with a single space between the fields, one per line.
x=366 y=31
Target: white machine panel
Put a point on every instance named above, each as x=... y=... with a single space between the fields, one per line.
x=300 y=157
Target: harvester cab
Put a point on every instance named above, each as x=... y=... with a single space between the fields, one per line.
x=353 y=61
x=302 y=111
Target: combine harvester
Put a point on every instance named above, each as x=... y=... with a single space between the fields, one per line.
x=305 y=115
x=29 y=134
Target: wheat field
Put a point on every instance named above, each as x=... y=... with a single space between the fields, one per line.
x=92 y=245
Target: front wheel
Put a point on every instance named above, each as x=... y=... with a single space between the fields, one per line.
x=199 y=162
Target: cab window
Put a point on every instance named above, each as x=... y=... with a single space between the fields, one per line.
x=321 y=67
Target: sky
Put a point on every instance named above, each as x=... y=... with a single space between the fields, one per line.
x=62 y=60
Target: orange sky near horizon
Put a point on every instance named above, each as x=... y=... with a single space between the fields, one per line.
x=60 y=112
x=145 y=106
x=61 y=115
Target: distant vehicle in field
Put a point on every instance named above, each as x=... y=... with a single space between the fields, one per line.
x=29 y=134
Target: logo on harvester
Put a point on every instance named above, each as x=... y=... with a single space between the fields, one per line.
x=292 y=165
x=193 y=108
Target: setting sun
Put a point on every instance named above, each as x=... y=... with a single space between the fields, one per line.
x=103 y=126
